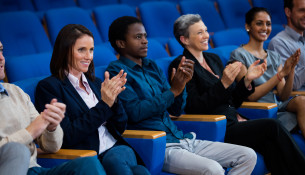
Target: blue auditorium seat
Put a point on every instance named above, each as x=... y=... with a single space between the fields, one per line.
x=158 y=18
x=174 y=47
x=224 y=52
x=275 y=7
x=236 y=36
x=233 y=12
x=156 y=50
x=15 y=5
x=56 y=19
x=22 y=33
x=28 y=66
x=105 y=15
x=207 y=11
x=90 y=4
x=103 y=55
x=43 y=5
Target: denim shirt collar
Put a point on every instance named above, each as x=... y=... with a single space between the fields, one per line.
x=294 y=35
x=131 y=63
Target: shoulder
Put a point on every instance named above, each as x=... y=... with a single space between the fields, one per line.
x=115 y=67
x=15 y=91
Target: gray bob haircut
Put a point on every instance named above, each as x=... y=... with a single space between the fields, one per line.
x=182 y=25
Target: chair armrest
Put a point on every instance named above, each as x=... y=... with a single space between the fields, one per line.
x=255 y=110
x=206 y=127
x=48 y=160
x=150 y=145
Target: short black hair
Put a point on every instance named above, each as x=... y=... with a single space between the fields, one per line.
x=253 y=11
x=119 y=28
x=288 y=4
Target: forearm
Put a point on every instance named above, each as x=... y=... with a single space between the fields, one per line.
x=286 y=91
x=21 y=136
x=51 y=141
x=264 y=88
x=177 y=107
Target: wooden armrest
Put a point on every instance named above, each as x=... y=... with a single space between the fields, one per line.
x=68 y=154
x=257 y=105
x=140 y=134
x=201 y=118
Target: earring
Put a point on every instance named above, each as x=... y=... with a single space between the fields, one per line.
x=247 y=30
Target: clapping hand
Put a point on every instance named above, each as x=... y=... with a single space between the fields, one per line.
x=111 y=88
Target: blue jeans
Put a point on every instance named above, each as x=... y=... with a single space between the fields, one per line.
x=80 y=166
x=120 y=159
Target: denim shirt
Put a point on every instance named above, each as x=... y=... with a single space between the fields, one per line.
x=147 y=98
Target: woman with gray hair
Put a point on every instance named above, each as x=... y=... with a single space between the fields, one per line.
x=212 y=91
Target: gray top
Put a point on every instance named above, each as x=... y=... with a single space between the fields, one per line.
x=286 y=43
x=273 y=62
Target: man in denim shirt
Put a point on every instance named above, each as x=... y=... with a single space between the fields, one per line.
x=292 y=38
x=148 y=97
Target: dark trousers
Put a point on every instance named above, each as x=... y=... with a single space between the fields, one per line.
x=269 y=138
x=121 y=159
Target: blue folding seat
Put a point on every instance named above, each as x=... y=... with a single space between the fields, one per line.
x=43 y=5
x=23 y=67
x=105 y=15
x=90 y=4
x=158 y=19
x=275 y=7
x=233 y=12
x=22 y=33
x=103 y=55
x=224 y=52
x=134 y=3
x=15 y=5
x=56 y=19
x=156 y=50
x=236 y=36
x=207 y=11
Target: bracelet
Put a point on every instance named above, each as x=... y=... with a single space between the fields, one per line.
x=278 y=76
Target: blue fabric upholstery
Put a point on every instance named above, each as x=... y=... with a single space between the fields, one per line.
x=29 y=86
x=56 y=19
x=276 y=8
x=15 y=5
x=156 y=50
x=105 y=15
x=233 y=12
x=236 y=36
x=174 y=47
x=22 y=33
x=224 y=52
x=276 y=28
x=158 y=19
x=151 y=151
x=28 y=66
x=90 y=4
x=103 y=55
x=100 y=71
x=163 y=63
x=134 y=3
x=43 y=5
x=207 y=11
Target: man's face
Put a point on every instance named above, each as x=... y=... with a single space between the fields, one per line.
x=136 y=42
x=2 y=62
x=297 y=15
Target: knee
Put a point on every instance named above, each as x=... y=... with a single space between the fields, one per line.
x=299 y=102
x=249 y=156
x=17 y=150
x=88 y=164
x=139 y=170
x=213 y=169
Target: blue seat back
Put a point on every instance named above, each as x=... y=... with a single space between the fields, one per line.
x=90 y=4
x=233 y=12
x=15 y=5
x=29 y=86
x=105 y=15
x=236 y=36
x=43 y=5
x=174 y=47
x=207 y=11
x=28 y=66
x=103 y=55
x=56 y=19
x=164 y=63
x=100 y=72
x=224 y=52
x=22 y=33
x=276 y=28
x=134 y=3
x=156 y=50
x=158 y=18
x=276 y=8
